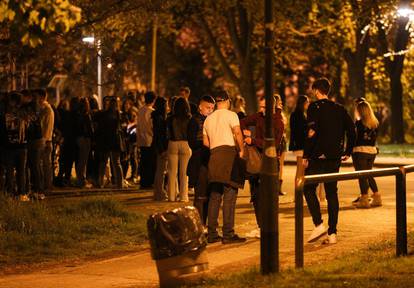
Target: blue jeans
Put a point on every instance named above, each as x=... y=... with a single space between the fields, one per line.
x=229 y=209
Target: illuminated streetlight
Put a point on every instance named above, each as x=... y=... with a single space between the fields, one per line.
x=405 y=12
x=109 y=66
x=89 y=39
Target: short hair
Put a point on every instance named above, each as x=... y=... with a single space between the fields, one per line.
x=149 y=97
x=222 y=95
x=26 y=93
x=322 y=85
x=15 y=97
x=185 y=89
x=208 y=99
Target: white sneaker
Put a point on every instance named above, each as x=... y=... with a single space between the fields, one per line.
x=331 y=239
x=318 y=232
x=255 y=233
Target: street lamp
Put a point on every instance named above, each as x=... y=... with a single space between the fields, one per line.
x=91 y=40
x=405 y=12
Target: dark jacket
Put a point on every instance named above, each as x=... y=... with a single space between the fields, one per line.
x=331 y=122
x=83 y=125
x=365 y=136
x=258 y=121
x=177 y=128
x=108 y=131
x=298 y=127
x=200 y=153
x=159 y=126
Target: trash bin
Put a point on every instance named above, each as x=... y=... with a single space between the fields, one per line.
x=178 y=245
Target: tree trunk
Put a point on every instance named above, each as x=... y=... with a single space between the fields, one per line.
x=248 y=91
x=397 y=121
x=356 y=75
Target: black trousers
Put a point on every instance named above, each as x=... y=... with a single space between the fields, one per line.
x=201 y=194
x=321 y=166
x=254 y=181
x=365 y=161
x=147 y=166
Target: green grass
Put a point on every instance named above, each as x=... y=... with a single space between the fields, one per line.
x=396 y=150
x=34 y=232
x=375 y=266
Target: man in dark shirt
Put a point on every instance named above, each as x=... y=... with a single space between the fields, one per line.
x=197 y=166
x=328 y=123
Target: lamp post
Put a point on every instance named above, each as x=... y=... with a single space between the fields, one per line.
x=97 y=43
x=269 y=198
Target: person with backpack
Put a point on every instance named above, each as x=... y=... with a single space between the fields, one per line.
x=364 y=153
x=328 y=124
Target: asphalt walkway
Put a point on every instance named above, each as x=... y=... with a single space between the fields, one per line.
x=356 y=229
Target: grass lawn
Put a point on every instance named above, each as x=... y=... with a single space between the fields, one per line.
x=396 y=150
x=37 y=232
x=375 y=266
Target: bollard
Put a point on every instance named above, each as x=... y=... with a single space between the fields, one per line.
x=401 y=211
x=299 y=183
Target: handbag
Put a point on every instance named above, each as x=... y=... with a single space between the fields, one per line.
x=253 y=159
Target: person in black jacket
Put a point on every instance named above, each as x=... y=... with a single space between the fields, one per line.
x=197 y=166
x=84 y=134
x=160 y=142
x=328 y=123
x=364 y=154
x=110 y=145
x=298 y=126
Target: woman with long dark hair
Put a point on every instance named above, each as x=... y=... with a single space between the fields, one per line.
x=179 y=151
x=160 y=142
x=298 y=126
x=364 y=153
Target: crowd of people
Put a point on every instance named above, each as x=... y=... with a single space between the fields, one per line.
x=173 y=145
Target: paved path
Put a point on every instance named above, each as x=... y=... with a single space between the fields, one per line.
x=356 y=229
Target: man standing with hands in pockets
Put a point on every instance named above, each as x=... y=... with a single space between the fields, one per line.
x=325 y=148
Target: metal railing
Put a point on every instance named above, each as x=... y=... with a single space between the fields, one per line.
x=401 y=201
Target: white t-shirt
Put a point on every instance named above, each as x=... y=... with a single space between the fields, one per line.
x=219 y=128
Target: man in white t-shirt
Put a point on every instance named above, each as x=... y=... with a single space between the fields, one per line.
x=222 y=133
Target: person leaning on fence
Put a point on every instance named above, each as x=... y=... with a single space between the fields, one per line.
x=257 y=120
x=364 y=153
x=221 y=133
x=328 y=123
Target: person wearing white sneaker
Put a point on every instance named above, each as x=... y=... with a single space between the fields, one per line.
x=331 y=239
x=317 y=233
x=364 y=153
x=328 y=124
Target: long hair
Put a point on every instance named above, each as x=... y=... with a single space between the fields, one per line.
x=300 y=103
x=160 y=107
x=181 y=108
x=367 y=115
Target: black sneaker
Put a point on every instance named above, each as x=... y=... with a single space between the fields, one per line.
x=234 y=239
x=355 y=202
x=215 y=239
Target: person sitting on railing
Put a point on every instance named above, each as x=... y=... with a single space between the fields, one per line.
x=364 y=154
x=328 y=123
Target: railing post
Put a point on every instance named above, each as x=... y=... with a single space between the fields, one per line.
x=299 y=183
x=401 y=210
